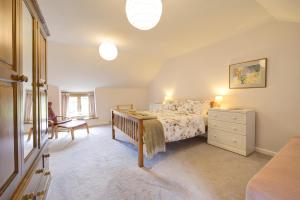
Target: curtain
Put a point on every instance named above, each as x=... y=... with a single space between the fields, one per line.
x=64 y=103
x=91 y=104
x=28 y=117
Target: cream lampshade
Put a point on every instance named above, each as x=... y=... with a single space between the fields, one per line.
x=218 y=101
x=108 y=51
x=144 y=14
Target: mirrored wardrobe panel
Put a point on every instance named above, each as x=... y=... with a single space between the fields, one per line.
x=28 y=129
x=42 y=79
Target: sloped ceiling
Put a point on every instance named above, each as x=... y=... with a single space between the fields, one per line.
x=78 y=26
x=284 y=10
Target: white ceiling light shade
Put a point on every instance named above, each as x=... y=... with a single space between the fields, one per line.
x=144 y=14
x=108 y=51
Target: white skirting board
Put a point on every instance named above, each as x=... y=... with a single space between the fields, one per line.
x=265 y=151
x=96 y=122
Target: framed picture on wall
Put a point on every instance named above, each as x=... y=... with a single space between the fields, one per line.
x=250 y=74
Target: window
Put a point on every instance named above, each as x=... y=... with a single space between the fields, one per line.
x=73 y=108
x=78 y=104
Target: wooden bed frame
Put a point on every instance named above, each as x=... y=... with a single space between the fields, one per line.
x=131 y=124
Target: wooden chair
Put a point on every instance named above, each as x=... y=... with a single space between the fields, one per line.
x=54 y=124
x=54 y=120
x=60 y=123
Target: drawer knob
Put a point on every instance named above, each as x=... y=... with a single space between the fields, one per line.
x=29 y=196
x=41 y=193
x=39 y=171
x=47 y=173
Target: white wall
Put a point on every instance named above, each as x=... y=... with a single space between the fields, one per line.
x=54 y=97
x=107 y=98
x=204 y=73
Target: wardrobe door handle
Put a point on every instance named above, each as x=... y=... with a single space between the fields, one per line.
x=24 y=78
x=41 y=84
x=20 y=78
x=47 y=173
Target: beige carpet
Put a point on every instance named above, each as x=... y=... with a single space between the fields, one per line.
x=95 y=167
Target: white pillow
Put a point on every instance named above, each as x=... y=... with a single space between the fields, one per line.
x=201 y=107
x=169 y=106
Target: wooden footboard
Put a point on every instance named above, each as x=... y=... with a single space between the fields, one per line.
x=131 y=124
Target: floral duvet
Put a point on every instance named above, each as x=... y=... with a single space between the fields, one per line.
x=178 y=126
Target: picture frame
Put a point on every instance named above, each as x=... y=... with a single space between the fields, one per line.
x=249 y=74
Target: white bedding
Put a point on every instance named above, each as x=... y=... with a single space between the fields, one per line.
x=178 y=126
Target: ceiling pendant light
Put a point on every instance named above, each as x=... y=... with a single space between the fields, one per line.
x=143 y=14
x=108 y=51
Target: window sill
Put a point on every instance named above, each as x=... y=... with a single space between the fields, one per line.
x=84 y=117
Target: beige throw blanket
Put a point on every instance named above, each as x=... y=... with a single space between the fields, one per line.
x=154 y=138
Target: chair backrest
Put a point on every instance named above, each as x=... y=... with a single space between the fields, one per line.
x=51 y=114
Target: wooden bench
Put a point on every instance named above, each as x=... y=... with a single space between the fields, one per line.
x=71 y=126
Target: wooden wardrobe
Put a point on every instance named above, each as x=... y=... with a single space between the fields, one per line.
x=24 y=160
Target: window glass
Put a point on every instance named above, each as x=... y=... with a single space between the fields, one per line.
x=84 y=106
x=73 y=107
x=79 y=105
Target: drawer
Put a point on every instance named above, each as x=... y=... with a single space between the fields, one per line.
x=38 y=181
x=33 y=181
x=46 y=178
x=225 y=138
x=233 y=117
x=227 y=126
x=42 y=189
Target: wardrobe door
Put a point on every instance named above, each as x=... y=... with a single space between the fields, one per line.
x=7 y=12
x=43 y=101
x=9 y=99
x=28 y=118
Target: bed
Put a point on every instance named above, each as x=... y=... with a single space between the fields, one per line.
x=179 y=120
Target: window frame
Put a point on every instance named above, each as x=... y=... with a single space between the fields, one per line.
x=78 y=95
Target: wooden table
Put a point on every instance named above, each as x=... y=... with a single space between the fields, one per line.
x=71 y=127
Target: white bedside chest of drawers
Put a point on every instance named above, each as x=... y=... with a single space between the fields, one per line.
x=232 y=129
